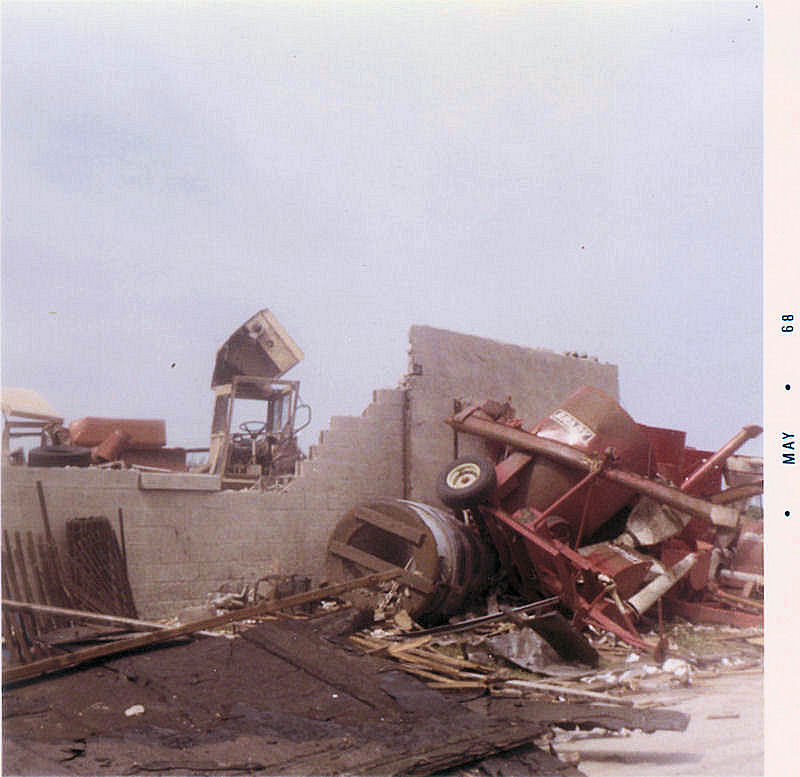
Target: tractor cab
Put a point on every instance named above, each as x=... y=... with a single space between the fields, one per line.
x=257 y=414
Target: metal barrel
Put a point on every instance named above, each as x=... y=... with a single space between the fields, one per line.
x=445 y=562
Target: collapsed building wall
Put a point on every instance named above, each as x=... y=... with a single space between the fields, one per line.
x=184 y=541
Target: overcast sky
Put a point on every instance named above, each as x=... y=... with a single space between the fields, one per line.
x=572 y=176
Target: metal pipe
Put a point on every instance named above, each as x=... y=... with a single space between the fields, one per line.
x=735 y=493
x=652 y=592
x=450 y=628
x=739 y=601
x=730 y=447
x=524 y=441
x=720 y=515
x=733 y=576
x=84 y=615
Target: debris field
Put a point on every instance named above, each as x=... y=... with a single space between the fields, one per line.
x=579 y=561
x=334 y=693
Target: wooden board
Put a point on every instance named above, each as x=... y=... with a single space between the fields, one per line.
x=572 y=715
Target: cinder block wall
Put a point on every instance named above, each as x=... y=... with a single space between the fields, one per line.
x=446 y=367
x=183 y=545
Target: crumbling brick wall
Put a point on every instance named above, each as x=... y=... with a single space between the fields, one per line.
x=183 y=545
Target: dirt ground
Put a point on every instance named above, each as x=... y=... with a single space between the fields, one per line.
x=725 y=736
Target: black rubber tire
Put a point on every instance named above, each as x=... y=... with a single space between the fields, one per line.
x=59 y=456
x=467 y=481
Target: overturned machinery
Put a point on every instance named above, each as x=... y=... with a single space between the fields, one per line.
x=260 y=448
x=607 y=515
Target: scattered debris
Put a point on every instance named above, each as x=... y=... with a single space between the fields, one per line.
x=620 y=522
x=44 y=666
x=354 y=697
x=596 y=539
x=340 y=712
x=327 y=711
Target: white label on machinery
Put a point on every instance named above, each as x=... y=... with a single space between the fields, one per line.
x=572 y=425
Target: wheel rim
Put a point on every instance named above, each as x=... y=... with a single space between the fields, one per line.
x=463 y=476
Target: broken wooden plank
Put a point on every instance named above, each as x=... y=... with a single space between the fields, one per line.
x=12 y=626
x=58 y=663
x=431 y=665
x=24 y=579
x=411 y=645
x=462 y=663
x=571 y=715
x=426 y=662
x=22 y=623
x=434 y=676
x=48 y=621
x=84 y=635
x=82 y=615
x=564 y=691
x=53 y=561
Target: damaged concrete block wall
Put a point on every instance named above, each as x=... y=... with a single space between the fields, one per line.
x=445 y=367
x=184 y=544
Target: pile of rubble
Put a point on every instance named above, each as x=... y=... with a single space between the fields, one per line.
x=619 y=524
x=335 y=693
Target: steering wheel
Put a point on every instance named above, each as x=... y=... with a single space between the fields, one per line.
x=253 y=428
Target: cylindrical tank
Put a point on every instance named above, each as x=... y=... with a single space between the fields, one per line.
x=444 y=561
x=592 y=422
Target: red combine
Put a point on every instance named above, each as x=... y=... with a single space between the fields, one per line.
x=551 y=496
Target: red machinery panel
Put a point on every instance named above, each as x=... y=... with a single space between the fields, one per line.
x=144 y=433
